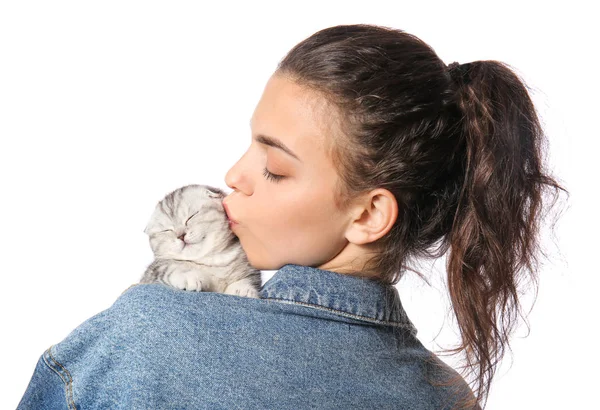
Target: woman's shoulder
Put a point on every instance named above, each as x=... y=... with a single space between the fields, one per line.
x=147 y=314
x=156 y=304
x=160 y=296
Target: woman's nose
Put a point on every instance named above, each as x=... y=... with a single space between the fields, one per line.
x=229 y=179
x=237 y=180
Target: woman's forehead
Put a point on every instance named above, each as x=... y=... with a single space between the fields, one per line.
x=291 y=114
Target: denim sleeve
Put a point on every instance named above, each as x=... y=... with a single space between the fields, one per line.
x=48 y=388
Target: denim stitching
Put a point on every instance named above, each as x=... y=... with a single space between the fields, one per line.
x=54 y=370
x=342 y=313
x=68 y=383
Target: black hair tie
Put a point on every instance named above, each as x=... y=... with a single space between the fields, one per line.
x=460 y=72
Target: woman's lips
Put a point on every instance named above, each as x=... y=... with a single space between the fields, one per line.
x=231 y=220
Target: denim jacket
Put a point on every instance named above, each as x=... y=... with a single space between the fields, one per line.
x=315 y=339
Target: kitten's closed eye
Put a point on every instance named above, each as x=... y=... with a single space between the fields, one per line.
x=191 y=217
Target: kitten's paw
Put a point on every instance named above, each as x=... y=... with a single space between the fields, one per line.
x=185 y=280
x=242 y=289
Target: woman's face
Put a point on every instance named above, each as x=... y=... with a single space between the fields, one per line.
x=292 y=219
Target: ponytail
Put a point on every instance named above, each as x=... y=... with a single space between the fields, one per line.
x=494 y=235
x=459 y=147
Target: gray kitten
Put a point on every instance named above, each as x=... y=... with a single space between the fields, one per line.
x=194 y=247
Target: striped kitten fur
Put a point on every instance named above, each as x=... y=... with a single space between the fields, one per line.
x=194 y=248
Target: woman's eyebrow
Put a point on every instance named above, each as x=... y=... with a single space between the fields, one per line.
x=275 y=143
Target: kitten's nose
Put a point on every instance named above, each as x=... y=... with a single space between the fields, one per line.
x=182 y=237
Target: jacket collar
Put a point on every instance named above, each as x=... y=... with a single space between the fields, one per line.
x=350 y=296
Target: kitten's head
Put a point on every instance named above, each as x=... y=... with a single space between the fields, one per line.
x=190 y=223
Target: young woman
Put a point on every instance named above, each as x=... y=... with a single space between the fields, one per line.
x=367 y=151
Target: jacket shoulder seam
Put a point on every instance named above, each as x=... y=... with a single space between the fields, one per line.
x=342 y=313
x=64 y=375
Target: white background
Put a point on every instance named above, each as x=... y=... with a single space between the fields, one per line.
x=107 y=106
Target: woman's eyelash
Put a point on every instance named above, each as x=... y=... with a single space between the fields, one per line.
x=271 y=176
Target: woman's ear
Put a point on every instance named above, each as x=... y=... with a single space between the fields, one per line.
x=373 y=217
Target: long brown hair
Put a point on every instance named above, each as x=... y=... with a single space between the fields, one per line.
x=460 y=147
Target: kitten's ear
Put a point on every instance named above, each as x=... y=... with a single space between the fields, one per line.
x=150 y=224
x=215 y=192
x=152 y=221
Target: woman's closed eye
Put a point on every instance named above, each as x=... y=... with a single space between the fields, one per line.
x=273 y=177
